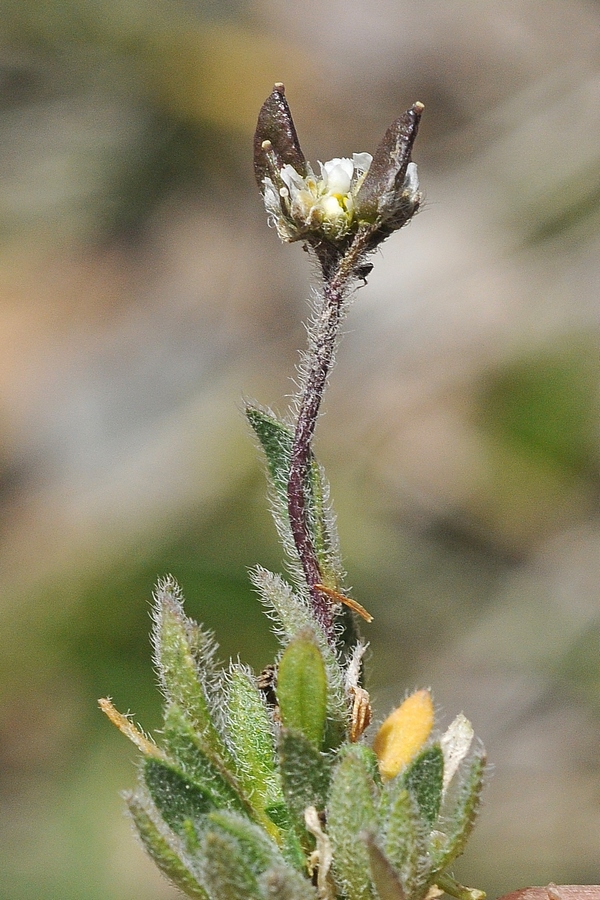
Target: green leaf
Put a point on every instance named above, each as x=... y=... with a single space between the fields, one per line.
x=352 y=810
x=461 y=811
x=163 y=846
x=251 y=738
x=305 y=775
x=283 y=883
x=226 y=873
x=276 y=439
x=424 y=778
x=384 y=877
x=294 y=616
x=182 y=744
x=302 y=689
x=406 y=842
x=179 y=800
x=259 y=852
x=183 y=656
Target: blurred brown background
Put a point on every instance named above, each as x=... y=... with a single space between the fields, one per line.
x=142 y=296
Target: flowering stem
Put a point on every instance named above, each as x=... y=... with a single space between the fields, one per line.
x=337 y=281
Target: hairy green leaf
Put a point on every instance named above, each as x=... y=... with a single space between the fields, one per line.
x=259 y=852
x=352 y=810
x=276 y=439
x=302 y=689
x=424 y=777
x=227 y=874
x=305 y=774
x=406 y=842
x=461 y=810
x=251 y=738
x=179 y=800
x=163 y=846
x=183 y=656
x=183 y=745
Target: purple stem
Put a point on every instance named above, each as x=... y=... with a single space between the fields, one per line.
x=334 y=292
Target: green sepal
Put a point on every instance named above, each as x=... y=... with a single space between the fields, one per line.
x=460 y=811
x=424 y=779
x=185 y=749
x=351 y=810
x=180 y=801
x=302 y=689
x=251 y=739
x=183 y=655
x=163 y=846
x=227 y=874
x=276 y=439
x=405 y=843
x=305 y=776
x=283 y=883
x=384 y=877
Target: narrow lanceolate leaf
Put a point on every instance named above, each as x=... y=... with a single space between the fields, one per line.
x=227 y=875
x=305 y=775
x=386 y=880
x=185 y=749
x=258 y=851
x=460 y=811
x=302 y=689
x=276 y=439
x=406 y=842
x=424 y=779
x=179 y=800
x=352 y=810
x=283 y=883
x=163 y=846
x=183 y=657
x=252 y=740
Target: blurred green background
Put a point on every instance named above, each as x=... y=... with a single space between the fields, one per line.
x=142 y=296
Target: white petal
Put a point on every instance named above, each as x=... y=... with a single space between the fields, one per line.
x=339 y=175
x=455 y=744
x=362 y=161
x=291 y=178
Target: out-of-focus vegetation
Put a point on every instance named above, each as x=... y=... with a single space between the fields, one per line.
x=141 y=295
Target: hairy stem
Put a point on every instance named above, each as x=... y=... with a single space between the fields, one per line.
x=337 y=282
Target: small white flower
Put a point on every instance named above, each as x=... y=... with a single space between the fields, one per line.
x=325 y=201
